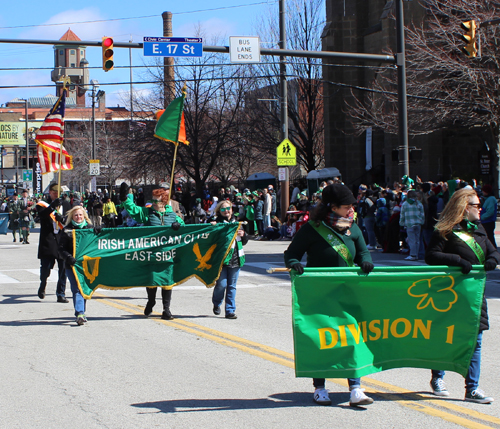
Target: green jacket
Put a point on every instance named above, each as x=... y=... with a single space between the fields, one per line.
x=143 y=214
x=320 y=253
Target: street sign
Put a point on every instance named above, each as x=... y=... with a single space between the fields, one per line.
x=94 y=167
x=173 y=47
x=244 y=49
x=282 y=174
x=286 y=153
x=27 y=176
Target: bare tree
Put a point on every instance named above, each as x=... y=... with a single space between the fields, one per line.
x=445 y=87
x=305 y=20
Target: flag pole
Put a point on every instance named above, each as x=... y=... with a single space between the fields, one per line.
x=176 y=146
x=66 y=80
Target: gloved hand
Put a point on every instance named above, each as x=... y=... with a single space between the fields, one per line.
x=97 y=230
x=124 y=188
x=56 y=203
x=70 y=260
x=367 y=267
x=176 y=226
x=466 y=266
x=298 y=267
x=490 y=264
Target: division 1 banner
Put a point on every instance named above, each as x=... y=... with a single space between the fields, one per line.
x=349 y=324
x=121 y=258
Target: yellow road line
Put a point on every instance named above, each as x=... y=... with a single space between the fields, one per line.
x=287 y=359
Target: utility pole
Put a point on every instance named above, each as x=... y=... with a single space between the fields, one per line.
x=284 y=184
x=402 y=101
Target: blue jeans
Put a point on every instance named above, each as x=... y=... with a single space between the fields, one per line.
x=46 y=265
x=413 y=239
x=472 y=378
x=79 y=302
x=370 y=230
x=353 y=383
x=226 y=283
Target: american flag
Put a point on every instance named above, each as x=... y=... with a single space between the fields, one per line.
x=49 y=139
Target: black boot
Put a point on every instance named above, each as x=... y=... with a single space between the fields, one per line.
x=166 y=296
x=151 y=301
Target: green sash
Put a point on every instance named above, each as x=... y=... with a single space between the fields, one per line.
x=476 y=248
x=333 y=240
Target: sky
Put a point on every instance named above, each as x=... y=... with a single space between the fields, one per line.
x=94 y=19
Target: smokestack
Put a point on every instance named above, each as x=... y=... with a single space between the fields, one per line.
x=168 y=63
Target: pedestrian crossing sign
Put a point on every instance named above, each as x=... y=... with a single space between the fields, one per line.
x=286 y=153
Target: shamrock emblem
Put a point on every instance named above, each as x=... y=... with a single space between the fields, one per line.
x=437 y=292
x=330 y=237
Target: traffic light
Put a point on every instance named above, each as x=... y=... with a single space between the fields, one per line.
x=107 y=54
x=469 y=37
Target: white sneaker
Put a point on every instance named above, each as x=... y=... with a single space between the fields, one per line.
x=321 y=397
x=359 y=398
x=370 y=247
x=411 y=258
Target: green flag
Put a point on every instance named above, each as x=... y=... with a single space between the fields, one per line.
x=170 y=126
x=348 y=324
x=121 y=258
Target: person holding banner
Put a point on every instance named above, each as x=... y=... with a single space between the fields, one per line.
x=159 y=213
x=460 y=240
x=48 y=245
x=331 y=239
x=77 y=219
x=231 y=266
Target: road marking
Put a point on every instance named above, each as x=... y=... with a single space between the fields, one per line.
x=395 y=393
x=6 y=279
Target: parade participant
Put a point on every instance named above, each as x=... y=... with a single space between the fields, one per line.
x=489 y=213
x=77 y=219
x=25 y=217
x=159 y=213
x=231 y=266
x=460 y=240
x=13 y=208
x=332 y=218
x=48 y=246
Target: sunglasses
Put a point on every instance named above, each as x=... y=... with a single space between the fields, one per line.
x=476 y=205
x=225 y=209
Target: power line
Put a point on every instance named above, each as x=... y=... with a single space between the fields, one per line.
x=141 y=17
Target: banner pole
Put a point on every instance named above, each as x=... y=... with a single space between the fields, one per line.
x=173 y=171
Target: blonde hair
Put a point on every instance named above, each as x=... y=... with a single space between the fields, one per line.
x=73 y=210
x=217 y=208
x=454 y=211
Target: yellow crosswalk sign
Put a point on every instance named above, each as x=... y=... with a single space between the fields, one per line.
x=286 y=153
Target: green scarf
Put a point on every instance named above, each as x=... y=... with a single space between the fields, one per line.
x=79 y=225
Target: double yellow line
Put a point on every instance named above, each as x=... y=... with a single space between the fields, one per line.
x=434 y=407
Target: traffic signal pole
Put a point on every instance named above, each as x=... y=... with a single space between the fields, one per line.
x=402 y=100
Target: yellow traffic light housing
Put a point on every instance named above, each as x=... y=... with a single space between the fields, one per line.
x=470 y=48
x=107 y=54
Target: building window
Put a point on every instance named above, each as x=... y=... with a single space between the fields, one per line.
x=72 y=52
x=82 y=54
x=72 y=65
x=61 y=52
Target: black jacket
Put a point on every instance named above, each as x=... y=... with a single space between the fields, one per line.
x=48 y=246
x=66 y=240
x=449 y=251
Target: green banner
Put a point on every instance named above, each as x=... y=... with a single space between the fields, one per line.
x=349 y=324
x=121 y=258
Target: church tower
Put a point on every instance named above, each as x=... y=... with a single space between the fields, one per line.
x=70 y=61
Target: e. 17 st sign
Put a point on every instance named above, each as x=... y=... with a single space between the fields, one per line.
x=173 y=46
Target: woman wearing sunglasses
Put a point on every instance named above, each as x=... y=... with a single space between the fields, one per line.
x=460 y=240
x=226 y=284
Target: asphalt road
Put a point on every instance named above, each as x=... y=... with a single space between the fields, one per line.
x=123 y=370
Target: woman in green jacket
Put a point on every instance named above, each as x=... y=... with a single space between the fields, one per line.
x=331 y=239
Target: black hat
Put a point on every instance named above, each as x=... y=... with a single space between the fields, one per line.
x=338 y=195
